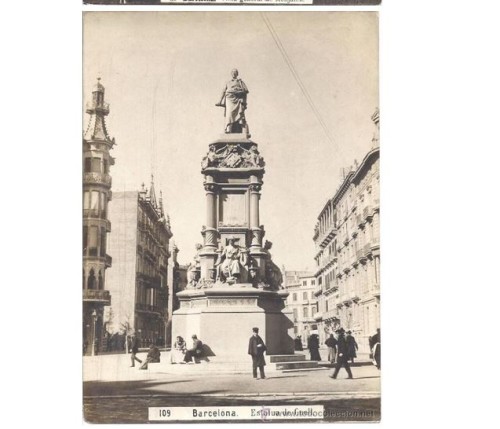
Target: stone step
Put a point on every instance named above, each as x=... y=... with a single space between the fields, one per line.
x=286 y=358
x=296 y=365
x=319 y=368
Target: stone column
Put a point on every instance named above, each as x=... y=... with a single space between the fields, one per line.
x=254 y=215
x=211 y=229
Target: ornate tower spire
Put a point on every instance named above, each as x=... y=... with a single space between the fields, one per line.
x=152 y=194
x=96 y=226
x=160 y=207
x=98 y=109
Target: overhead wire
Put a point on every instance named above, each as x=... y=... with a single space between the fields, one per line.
x=297 y=78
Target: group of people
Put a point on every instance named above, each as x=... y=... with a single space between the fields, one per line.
x=180 y=353
x=313 y=345
x=342 y=348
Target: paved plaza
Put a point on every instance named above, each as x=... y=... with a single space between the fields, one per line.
x=115 y=392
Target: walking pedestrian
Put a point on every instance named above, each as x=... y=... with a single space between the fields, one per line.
x=298 y=343
x=256 y=349
x=352 y=346
x=331 y=343
x=313 y=346
x=342 y=360
x=374 y=342
x=134 y=348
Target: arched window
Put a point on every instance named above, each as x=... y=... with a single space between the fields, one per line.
x=100 y=281
x=91 y=280
x=83 y=280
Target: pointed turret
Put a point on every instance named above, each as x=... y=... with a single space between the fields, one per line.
x=98 y=109
x=152 y=194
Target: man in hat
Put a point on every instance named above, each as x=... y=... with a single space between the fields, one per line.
x=194 y=351
x=134 y=349
x=256 y=349
x=352 y=346
x=342 y=356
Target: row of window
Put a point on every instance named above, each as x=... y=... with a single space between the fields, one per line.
x=305 y=296
x=95 y=165
x=94 y=241
x=92 y=281
x=95 y=203
x=305 y=312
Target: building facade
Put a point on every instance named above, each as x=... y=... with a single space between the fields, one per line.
x=96 y=226
x=302 y=301
x=348 y=253
x=138 y=280
x=178 y=280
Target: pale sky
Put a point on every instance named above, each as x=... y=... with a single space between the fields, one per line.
x=164 y=72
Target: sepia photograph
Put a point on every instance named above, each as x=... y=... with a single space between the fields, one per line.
x=231 y=200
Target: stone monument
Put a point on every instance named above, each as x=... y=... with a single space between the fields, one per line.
x=234 y=285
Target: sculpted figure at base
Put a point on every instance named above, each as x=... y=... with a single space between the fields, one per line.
x=230 y=261
x=274 y=277
x=234 y=100
x=194 y=268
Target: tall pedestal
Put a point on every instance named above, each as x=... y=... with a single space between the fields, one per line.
x=238 y=286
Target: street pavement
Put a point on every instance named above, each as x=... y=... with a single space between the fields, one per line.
x=114 y=392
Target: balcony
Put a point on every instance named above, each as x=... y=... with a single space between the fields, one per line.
x=146 y=308
x=102 y=297
x=367 y=250
x=96 y=179
x=367 y=212
x=102 y=108
x=108 y=260
x=354 y=296
x=330 y=315
x=152 y=282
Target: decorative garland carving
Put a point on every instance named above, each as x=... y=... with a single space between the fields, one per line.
x=232 y=156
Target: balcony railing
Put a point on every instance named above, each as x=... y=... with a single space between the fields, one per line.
x=97 y=178
x=148 y=308
x=108 y=260
x=150 y=281
x=367 y=249
x=97 y=296
x=103 y=107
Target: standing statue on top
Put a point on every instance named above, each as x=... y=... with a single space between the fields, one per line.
x=234 y=100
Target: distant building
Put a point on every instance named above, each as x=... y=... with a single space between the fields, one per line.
x=348 y=252
x=96 y=193
x=178 y=282
x=301 y=300
x=138 y=280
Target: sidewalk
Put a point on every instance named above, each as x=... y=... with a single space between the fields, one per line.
x=111 y=375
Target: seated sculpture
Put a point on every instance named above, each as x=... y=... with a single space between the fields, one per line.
x=229 y=263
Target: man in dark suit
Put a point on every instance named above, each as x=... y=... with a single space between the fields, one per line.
x=194 y=351
x=134 y=349
x=342 y=355
x=256 y=349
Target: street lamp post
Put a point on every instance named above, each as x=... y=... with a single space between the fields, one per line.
x=94 y=320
